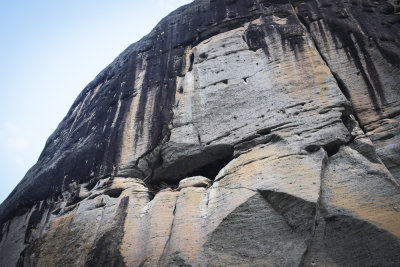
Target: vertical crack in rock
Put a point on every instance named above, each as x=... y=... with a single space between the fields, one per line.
x=164 y=254
x=335 y=223
x=312 y=253
x=106 y=251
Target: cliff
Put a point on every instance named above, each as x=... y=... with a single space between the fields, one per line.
x=238 y=132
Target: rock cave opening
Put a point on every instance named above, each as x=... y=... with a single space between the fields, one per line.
x=212 y=169
x=208 y=163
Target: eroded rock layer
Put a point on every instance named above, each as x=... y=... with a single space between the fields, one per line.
x=241 y=132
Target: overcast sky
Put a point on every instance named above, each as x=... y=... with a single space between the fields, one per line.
x=49 y=51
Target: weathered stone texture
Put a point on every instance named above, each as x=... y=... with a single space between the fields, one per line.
x=254 y=133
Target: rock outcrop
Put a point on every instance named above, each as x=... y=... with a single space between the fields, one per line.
x=238 y=132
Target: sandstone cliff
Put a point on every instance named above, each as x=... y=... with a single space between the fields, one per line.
x=238 y=132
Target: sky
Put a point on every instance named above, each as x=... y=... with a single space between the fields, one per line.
x=49 y=51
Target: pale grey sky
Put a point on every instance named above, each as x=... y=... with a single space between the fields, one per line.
x=49 y=51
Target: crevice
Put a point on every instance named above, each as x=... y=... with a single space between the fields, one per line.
x=165 y=249
x=211 y=170
x=312 y=148
x=155 y=188
x=222 y=27
x=114 y=192
x=311 y=257
x=366 y=149
x=264 y=131
x=199 y=138
x=238 y=187
x=228 y=53
x=91 y=184
x=350 y=123
x=340 y=83
x=203 y=56
x=360 y=124
x=56 y=211
x=303 y=257
x=332 y=149
x=21 y=259
x=261 y=137
x=151 y=158
x=179 y=161
x=191 y=59
x=318 y=227
x=74 y=199
x=226 y=81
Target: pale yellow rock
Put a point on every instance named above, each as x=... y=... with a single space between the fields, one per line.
x=196 y=181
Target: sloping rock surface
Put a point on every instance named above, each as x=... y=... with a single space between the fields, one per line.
x=238 y=132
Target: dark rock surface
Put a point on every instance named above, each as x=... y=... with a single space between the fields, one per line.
x=87 y=143
x=291 y=109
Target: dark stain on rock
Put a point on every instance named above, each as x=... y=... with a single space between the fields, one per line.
x=344 y=27
x=125 y=84
x=160 y=81
x=372 y=72
x=34 y=220
x=390 y=51
x=84 y=142
x=3 y=232
x=255 y=39
x=350 y=48
x=106 y=251
x=223 y=26
x=322 y=31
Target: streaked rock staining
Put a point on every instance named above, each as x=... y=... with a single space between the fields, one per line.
x=240 y=132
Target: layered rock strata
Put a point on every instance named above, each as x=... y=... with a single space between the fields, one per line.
x=240 y=132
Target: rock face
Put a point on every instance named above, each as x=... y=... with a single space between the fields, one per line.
x=282 y=116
